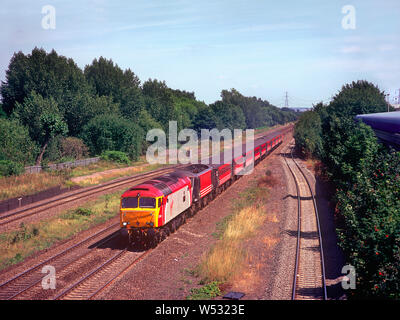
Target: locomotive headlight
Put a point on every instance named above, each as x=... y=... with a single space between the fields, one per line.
x=124 y=223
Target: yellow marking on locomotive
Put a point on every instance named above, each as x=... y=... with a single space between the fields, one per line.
x=140 y=217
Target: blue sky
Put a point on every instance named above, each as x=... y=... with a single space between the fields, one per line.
x=262 y=48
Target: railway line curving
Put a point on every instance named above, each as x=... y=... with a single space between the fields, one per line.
x=309 y=272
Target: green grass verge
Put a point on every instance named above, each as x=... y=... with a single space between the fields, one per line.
x=208 y=291
x=17 y=245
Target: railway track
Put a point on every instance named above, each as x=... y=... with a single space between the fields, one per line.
x=83 y=270
x=90 y=285
x=29 y=280
x=7 y=218
x=309 y=274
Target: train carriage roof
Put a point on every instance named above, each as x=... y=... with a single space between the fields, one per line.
x=257 y=143
x=160 y=186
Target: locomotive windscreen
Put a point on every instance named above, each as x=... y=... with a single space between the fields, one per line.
x=132 y=202
x=129 y=202
x=145 y=202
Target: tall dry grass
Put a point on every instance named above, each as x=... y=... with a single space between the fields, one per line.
x=228 y=257
x=104 y=176
x=244 y=223
x=27 y=184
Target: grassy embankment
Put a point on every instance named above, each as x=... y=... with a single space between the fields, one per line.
x=227 y=259
x=28 y=184
x=15 y=246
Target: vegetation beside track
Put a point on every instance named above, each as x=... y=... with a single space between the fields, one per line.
x=227 y=259
x=28 y=184
x=108 y=175
x=365 y=175
x=15 y=246
x=93 y=174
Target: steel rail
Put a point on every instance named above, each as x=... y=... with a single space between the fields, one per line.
x=78 y=195
x=60 y=254
x=294 y=290
x=115 y=257
x=318 y=227
x=104 y=265
x=118 y=275
x=296 y=268
x=95 y=271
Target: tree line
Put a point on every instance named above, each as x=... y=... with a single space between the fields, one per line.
x=51 y=110
x=366 y=176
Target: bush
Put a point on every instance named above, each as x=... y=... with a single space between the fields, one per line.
x=15 y=142
x=208 y=291
x=74 y=148
x=111 y=132
x=307 y=134
x=83 y=211
x=367 y=178
x=117 y=156
x=53 y=151
x=10 y=168
x=79 y=214
x=23 y=234
x=369 y=227
x=349 y=149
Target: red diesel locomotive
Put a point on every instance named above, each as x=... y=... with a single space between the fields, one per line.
x=153 y=209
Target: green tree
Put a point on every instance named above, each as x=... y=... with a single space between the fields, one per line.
x=205 y=119
x=48 y=74
x=84 y=107
x=109 y=79
x=43 y=119
x=185 y=108
x=257 y=112
x=15 y=143
x=112 y=132
x=158 y=100
x=348 y=148
x=2 y=112
x=147 y=122
x=308 y=134
x=359 y=97
x=228 y=115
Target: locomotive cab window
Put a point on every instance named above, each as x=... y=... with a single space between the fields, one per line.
x=146 y=202
x=129 y=202
x=159 y=202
